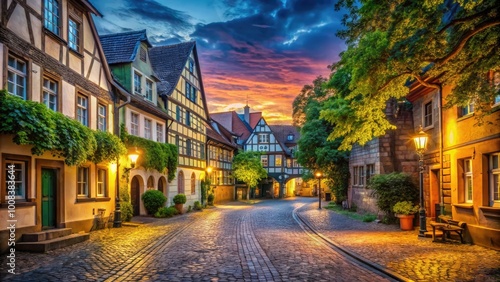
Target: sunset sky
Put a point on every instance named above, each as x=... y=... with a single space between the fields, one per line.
x=266 y=50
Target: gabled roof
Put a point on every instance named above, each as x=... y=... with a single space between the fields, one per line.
x=254 y=119
x=169 y=61
x=122 y=47
x=281 y=133
x=234 y=123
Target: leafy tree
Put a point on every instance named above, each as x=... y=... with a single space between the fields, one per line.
x=307 y=94
x=248 y=168
x=435 y=43
x=315 y=151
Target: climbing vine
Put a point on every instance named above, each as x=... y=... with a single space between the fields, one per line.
x=33 y=124
x=155 y=155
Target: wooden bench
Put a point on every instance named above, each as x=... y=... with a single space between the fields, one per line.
x=448 y=225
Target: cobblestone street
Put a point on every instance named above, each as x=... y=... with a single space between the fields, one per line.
x=261 y=242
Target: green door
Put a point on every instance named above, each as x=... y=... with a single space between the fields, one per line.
x=48 y=198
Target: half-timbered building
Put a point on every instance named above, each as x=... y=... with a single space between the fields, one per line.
x=50 y=53
x=178 y=68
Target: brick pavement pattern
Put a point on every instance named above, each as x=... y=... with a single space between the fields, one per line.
x=261 y=242
x=403 y=252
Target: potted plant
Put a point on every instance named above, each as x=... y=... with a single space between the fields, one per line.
x=405 y=212
x=179 y=201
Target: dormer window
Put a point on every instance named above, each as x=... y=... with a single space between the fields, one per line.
x=149 y=90
x=290 y=137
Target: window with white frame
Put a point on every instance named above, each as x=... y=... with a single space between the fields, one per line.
x=50 y=96
x=102 y=116
x=290 y=137
x=51 y=15
x=494 y=179
x=134 y=124
x=466 y=110
x=73 y=35
x=149 y=90
x=361 y=174
x=159 y=132
x=83 y=182
x=263 y=160
x=355 y=178
x=148 y=130
x=16 y=169
x=102 y=176
x=428 y=114
x=137 y=83
x=16 y=77
x=263 y=137
x=82 y=109
x=468 y=180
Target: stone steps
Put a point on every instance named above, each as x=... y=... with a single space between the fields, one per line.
x=44 y=241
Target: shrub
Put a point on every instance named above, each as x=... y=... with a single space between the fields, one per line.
x=392 y=188
x=127 y=211
x=153 y=200
x=197 y=206
x=405 y=207
x=189 y=208
x=211 y=198
x=166 y=212
x=180 y=199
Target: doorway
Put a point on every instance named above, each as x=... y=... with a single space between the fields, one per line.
x=135 y=195
x=49 y=184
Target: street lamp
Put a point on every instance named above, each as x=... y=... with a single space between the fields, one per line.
x=133 y=156
x=318 y=175
x=420 y=144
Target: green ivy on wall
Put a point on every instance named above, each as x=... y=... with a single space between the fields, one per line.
x=35 y=125
x=155 y=155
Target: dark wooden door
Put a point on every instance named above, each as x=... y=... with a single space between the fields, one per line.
x=135 y=195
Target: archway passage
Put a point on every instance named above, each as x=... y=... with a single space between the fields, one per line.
x=162 y=185
x=135 y=195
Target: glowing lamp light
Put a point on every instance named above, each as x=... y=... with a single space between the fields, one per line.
x=420 y=140
x=318 y=174
x=209 y=169
x=133 y=158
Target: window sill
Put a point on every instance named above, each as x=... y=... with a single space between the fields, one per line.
x=75 y=52
x=102 y=199
x=491 y=211
x=18 y=204
x=85 y=200
x=465 y=117
x=54 y=36
x=463 y=206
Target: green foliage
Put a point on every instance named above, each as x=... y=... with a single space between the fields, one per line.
x=316 y=151
x=405 y=207
x=190 y=208
x=197 y=206
x=392 y=188
x=180 y=199
x=127 y=211
x=160 y=156
x=109 y=147
x=367 y=217
x=392 y=43
x=153 y=200
x=247 y=167
x=211 y=198
x=44 y=130
x=166 y=212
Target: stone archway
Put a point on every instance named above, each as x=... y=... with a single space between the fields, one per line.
x=162 y=185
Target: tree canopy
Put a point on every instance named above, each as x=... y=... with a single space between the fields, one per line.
x=248 y=168
x=316 y=152
x=389 y=44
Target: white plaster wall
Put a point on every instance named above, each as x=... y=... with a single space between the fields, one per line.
x=52 y=47
x=25 y=217
x=17 y=23
x=68 y=99
x=36 y=83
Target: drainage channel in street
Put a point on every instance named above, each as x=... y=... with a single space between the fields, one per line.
x=354 y=258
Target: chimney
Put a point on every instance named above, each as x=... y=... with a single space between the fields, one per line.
x=247 y=114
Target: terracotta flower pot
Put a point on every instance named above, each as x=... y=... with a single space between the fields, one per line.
x=405 y=221
x=179 y=207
